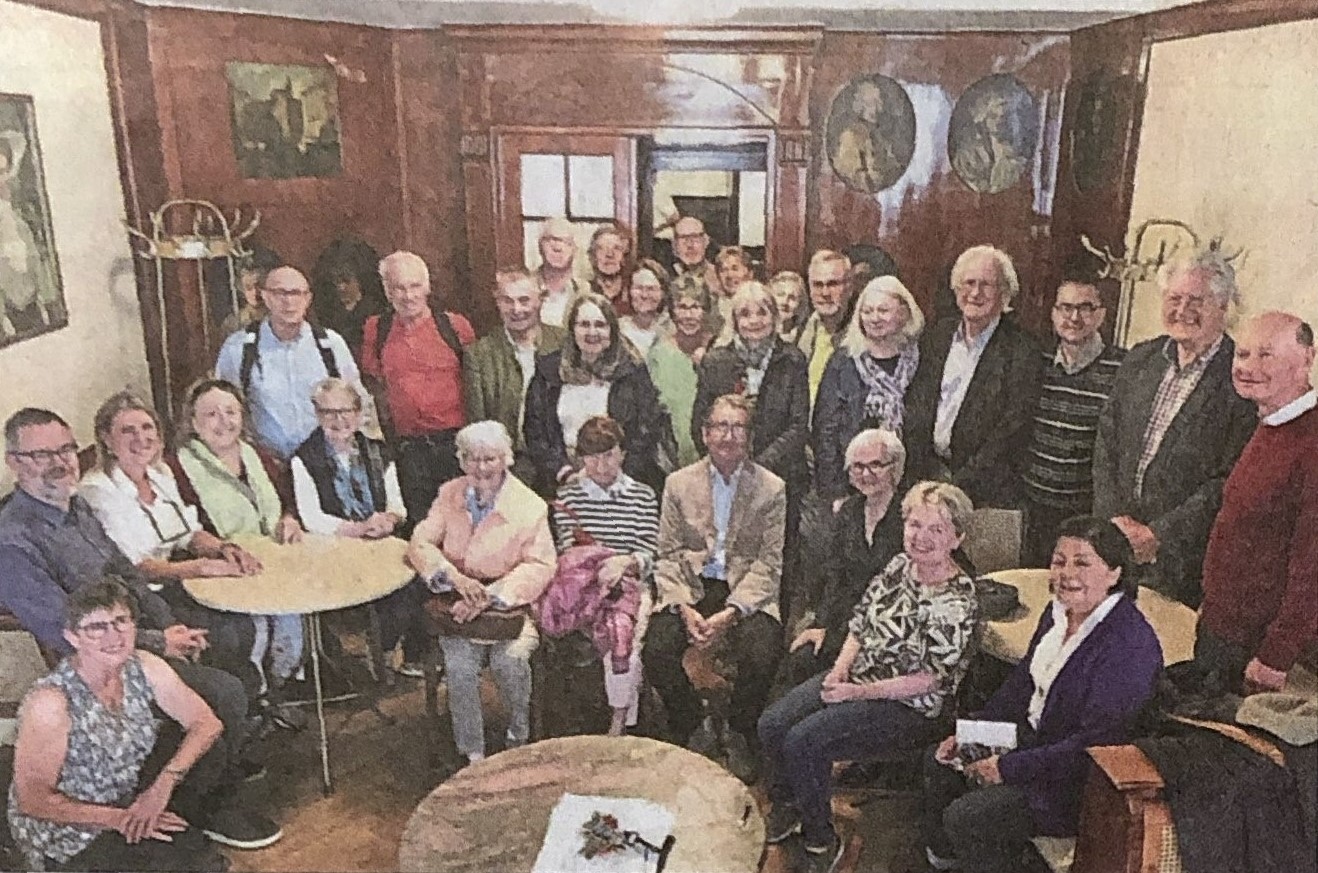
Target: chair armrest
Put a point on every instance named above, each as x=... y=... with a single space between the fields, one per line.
x=1126 y=767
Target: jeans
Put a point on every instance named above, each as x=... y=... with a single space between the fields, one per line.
x=282 y=637
x=986 y=828
x=424 y=463
x=802 y=737
x=402 y=617
x=511 y=662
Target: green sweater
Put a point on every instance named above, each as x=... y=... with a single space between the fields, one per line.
x=492 y=378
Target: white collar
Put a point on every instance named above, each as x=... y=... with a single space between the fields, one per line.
x=597 y=492
x=1293 y=410
x=1100 y=612
x=120 y=480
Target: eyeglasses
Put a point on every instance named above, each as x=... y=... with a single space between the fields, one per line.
x=1073 y=309
x=874 y=468
x=727 y=428
x=46 y=456
x=689 y=237
x=95 y=630
x=827 y=283
x=335 y=411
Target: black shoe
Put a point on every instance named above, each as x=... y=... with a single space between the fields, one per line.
x=704 y=739
x=230 y=826
x=826 y=858
x=742 y=761
x=249 y=770
x=784 y=821
x=288 y=717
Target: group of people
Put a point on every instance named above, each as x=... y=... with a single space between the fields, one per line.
x=646 y=458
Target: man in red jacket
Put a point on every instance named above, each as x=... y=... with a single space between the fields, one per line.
x=1260 y=607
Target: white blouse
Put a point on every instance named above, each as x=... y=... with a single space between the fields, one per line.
x=315 y=519
x=1054 y=650
x=141 y=530
x=577 y=403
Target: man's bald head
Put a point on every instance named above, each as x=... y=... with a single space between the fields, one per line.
x=1274 y=356
x=690 y=240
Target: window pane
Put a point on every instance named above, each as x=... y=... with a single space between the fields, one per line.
x=750 y=208
x=590 y=180
x=543 y=185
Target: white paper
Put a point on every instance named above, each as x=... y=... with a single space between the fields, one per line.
x=561 y=851
x=998 y=735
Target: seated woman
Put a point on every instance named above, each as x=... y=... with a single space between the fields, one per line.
x=137 y=501
x=597 y=372
x=865 y=381
x=616 y=511
x=233 y=485
x=487 y=540
x=648 y=294
x=866 y=533
x=79 y=799
x=892 y=683
x=1092 y=665
x=788 y=290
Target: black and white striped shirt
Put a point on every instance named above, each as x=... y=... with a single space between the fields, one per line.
x=624 y=516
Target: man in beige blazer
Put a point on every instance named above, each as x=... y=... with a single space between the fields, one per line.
x=718 y=571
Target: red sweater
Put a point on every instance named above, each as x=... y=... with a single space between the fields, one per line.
x=1261 y=569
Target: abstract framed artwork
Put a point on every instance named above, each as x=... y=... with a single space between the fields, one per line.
x=31 y=286
x=285 y=120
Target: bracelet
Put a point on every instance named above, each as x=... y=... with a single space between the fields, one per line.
x=177 y=772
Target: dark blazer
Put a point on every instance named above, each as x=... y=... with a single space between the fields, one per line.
x=992 y=429
x=838 y=416
x=853 y=562
x=1093 y=702
x=633 y=403
x=1183 y=483
x=781 y=424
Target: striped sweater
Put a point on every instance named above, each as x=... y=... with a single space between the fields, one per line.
x=625 y=517
x=1058 y=469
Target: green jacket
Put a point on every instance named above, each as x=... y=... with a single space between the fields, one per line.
x=492 y=378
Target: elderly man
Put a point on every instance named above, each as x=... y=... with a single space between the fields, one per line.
x=498 y=367
x=51 y=544
x=611 y=261
x=970 y=403
x=558 y=250
x=1173 y=428
x=415 y=353
x=278 y=360
x=1260 y=608
x=1077 y=379
x=718 y=572
x=690 y=248
x=831 y=289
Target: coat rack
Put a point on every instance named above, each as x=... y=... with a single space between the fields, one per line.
x=1141 y=264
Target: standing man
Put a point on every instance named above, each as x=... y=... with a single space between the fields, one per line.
x=970 y=404
x=610 y=260
x=690 y=248
x=1260 y=609
x=1077 y=379
x=497 y=368
x=415 y=352
x=278 y=360
x=1173 y=427
x=558 y=250
x=829 y=278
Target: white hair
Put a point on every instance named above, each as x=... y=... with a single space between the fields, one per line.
x=1216 y=267
x=484 y=435
x=942 y=494
x=1006 y=269
x=885 y=439
x=854 y=341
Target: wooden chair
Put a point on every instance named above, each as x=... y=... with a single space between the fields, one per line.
x=1125 y=824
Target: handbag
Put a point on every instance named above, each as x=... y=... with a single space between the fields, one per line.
x=492 y=624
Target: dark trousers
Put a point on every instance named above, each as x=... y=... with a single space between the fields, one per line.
x=201 y=792
x=401 y=617
x=229 y=634
x=754 y=644
x=424 y=463
x=188 y=852
x=986 y=828
x=802 y=737
x=1214 y=654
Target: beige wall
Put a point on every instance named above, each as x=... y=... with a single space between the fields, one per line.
x=58 y=60
x=1230 y=145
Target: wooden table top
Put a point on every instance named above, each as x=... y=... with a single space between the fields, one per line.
x=493 y=814
x=1173 y=622
x=318 y=574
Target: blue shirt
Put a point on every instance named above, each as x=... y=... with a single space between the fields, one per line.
x=724 y=492
x=279 y=391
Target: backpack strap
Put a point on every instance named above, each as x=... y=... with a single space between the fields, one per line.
x=326 y=351
x=442 y=323
x=251 y=356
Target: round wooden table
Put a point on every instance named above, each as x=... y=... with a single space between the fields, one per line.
x=318 y=574
x=492 y=815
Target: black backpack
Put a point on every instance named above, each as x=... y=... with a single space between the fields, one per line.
x=442 y=324
x=252 y=354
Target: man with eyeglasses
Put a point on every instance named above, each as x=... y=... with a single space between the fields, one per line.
x=969 y=406
x=829 y=280
x=610 y=255
x=690 y=250
x=718 y=573
x=558 y=250
x=1077 y=379
x=51 y=544
x=1174 y=426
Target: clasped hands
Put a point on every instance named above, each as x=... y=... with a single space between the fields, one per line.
x=475 y=599
x=147 y=818
x=704 y=632
x=838 y=687
x=982 y=772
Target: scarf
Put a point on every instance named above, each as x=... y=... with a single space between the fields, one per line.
x=885 y=403
x=234 y=506
x=352 y=486
x=616 y=360
x=755 y=359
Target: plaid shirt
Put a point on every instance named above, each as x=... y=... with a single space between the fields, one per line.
x=1177 y=384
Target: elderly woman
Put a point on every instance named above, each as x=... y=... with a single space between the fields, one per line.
x=1091 y=667
x=78 y=800
x=597 y=372
x=616 y=511
x=236 y=489
x=891 y=685
x=673 y=359
x=865 y=381
x=487 y=541
x=865 y=535
x=789 y=295
x=648 y=294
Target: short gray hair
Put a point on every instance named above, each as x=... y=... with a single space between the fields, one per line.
x=1212 y=262
x=853 y=340
x=950 y=498
x=887 y=440
x=825 y=256
x=484 y=435
x=1006 y=269
x=398 y=259
x=333 y=384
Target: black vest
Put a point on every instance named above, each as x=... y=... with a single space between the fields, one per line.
x=324 y=468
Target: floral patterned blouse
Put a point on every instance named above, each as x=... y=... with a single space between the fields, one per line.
x=904 y=627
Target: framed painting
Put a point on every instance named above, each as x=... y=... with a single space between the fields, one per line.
x=871 y=133
x=31 y=288
x=993 y=133
x=285 y=120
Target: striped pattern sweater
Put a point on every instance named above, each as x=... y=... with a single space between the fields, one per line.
x=1058 y=469
x=626 y=519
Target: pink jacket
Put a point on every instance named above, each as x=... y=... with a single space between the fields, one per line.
x=575 y=601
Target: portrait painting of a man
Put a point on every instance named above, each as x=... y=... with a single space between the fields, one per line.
x=285 y=120
x=993 y=133
x=871 y=133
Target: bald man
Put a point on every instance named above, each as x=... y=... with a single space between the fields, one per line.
x=1260 y=608
x=414 y=353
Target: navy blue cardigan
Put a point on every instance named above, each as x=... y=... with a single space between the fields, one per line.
x=1093 y=702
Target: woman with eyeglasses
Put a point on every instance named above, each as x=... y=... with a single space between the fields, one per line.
x=78 y=800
